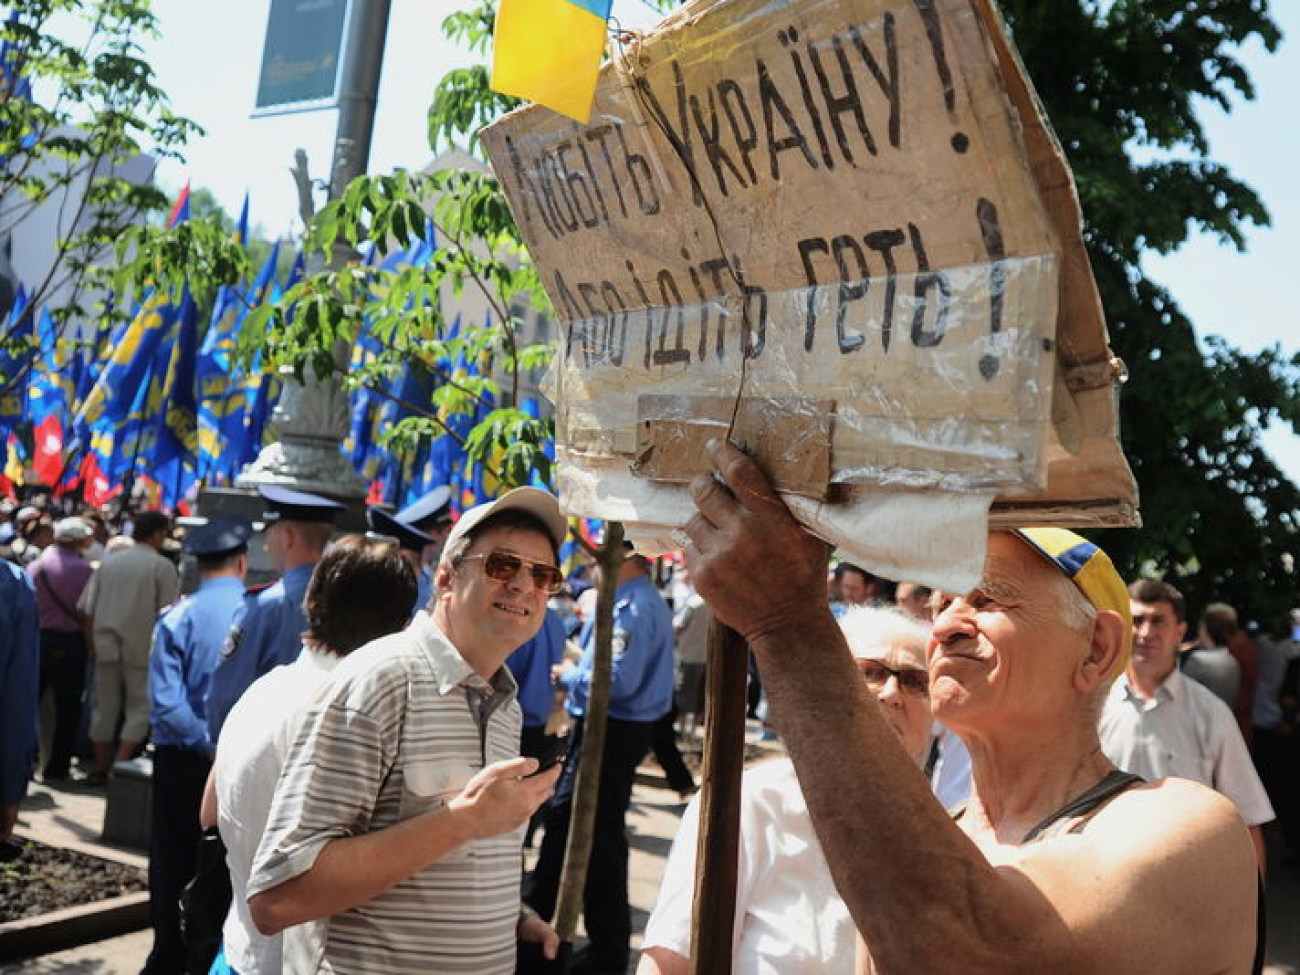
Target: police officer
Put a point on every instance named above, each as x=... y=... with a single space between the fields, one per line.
x=640 y=693
x=186 y=645
x=431 y=515
x=411 y=542
x=268 y=628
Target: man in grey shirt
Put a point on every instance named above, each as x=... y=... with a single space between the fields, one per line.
x=1209 y=663
x=400 y=812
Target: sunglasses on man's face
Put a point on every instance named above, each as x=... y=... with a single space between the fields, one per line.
x=876 y=674
x=504 y=567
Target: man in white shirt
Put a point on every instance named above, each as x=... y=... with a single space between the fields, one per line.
x=1157 y=722
x=789 y=919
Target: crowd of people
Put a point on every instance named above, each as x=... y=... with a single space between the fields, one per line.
x=376 y=734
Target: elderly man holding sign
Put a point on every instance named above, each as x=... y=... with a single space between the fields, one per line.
x=1057 y=863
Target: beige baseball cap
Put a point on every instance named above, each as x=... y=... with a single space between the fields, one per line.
x=542 y=505
x=71 y=530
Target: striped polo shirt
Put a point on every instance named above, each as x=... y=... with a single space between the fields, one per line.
x=399 y=730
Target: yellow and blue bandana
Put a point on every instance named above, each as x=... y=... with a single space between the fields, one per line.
x=1089 y=568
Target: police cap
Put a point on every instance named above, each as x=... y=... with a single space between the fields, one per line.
x=409 y=538
x=220 y=538
x=431 y=511
x=282 y=504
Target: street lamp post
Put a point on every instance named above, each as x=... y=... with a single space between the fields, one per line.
x=311 y=419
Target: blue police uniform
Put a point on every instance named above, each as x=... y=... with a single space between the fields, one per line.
x=267 y=632
x=641 y=686
x=186 y=643
x=424 y=587
x=531 y=667
x=268 y=627
x=186 y=646
x=641 y=692
x=20 y=657
x=409 y=539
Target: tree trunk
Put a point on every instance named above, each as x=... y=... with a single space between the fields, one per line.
x=577 y=852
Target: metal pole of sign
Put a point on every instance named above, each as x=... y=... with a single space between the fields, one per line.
x=718 y=853
x=363 y=59
x=312 y=417
x=363 y=62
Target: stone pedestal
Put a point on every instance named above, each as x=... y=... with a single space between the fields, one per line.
x=310 y=421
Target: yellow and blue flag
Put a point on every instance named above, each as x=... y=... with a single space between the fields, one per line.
x=128 y=370
x=173 y=459
x=16 y=358
x=549 y=51
x=225 y=389
x=241 y=227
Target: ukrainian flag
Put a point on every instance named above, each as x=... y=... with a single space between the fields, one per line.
x=549 y=51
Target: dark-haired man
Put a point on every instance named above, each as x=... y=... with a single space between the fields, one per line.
x=186 y=643
x=123 y=600
x=400 y=812
x=1157 y=721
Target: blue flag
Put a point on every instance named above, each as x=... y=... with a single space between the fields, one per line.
x=125 y=375
x=226 y=391
x=176 y=447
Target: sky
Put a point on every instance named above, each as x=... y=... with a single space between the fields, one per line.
x=208 y=60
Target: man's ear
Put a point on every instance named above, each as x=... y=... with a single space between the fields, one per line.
x=442 y=578
x=1105 y=650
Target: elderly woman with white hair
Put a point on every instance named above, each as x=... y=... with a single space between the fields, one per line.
x=789 y=919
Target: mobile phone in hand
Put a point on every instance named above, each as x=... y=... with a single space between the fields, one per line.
x=552 y=754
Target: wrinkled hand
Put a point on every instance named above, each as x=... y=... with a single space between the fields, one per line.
x=533 y=928
x=501 y=798
x=759 y=569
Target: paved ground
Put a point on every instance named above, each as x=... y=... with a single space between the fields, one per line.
x=74 y=818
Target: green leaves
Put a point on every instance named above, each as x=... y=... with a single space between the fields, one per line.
x=464 y=102
x=87 y=107
x=1123 y=83
x=199 y=253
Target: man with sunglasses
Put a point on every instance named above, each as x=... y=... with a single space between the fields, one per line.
x=788 y=918
x=640 y=693
x=399 y=815
x=1058 y=862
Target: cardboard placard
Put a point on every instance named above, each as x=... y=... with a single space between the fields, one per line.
x=853 y=201
x=791 y=439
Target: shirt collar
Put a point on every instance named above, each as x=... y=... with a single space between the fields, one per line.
x=1170 y=689
x=299 y=571
x=222 y=582
x=449 y=668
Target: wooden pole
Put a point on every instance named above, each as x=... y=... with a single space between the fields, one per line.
x=718 y=853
